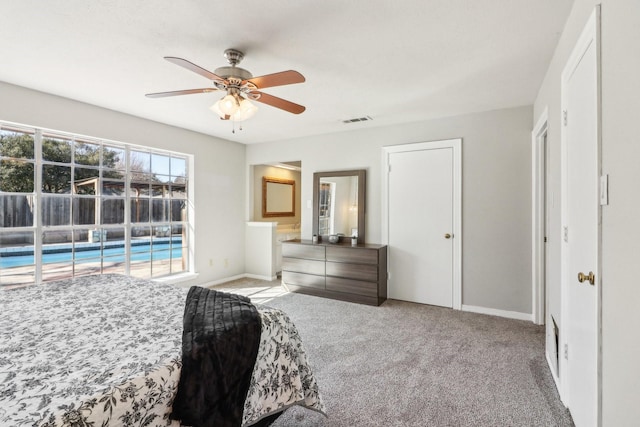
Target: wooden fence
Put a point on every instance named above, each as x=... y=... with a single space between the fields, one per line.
x=18 y=211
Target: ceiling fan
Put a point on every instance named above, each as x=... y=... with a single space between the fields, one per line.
x=240 y=87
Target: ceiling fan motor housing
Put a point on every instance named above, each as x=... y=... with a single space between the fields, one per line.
x=233 y=56
x=229 y=72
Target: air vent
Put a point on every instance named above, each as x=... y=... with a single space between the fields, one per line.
x=359 y=119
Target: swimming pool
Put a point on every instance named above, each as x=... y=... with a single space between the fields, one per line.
x=113 y=252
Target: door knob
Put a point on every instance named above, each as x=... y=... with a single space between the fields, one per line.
x=590 y=277
x=447 y=236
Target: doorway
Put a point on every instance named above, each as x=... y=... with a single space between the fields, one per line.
x=542 y=201
x=422 y=221
x=542 y=237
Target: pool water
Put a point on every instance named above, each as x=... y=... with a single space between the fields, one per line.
x=139 y=252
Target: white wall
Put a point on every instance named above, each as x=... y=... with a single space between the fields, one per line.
x=496 y=200
x=260 y=256
x=620 y=224
x=219 y=167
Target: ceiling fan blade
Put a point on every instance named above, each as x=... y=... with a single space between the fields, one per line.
x=193 y=67
x=277 y=79
x=280 y=103
x=180 y=92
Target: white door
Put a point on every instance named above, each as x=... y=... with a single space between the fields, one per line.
x=581 y=240
x=421 y=224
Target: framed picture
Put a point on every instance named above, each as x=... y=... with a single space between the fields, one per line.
x=278 y=197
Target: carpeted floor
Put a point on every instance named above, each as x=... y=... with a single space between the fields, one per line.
x=405 y=364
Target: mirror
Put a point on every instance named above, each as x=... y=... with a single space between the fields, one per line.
x=278 y=197
x=339 y=203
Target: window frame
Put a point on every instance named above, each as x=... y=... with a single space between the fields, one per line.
x=39 y=229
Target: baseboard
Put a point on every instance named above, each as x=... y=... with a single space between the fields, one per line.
x=496 y=312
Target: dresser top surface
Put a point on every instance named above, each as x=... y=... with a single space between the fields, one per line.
x=336 y=245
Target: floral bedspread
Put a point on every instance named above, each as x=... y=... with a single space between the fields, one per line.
x=105 y=351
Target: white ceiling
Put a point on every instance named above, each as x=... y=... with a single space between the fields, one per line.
x=395 y=61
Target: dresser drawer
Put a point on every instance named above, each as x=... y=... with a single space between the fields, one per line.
x=299 y=279
x=357 y=287
x=353 y=271
x=293 y=250
x=308 y=266
x=355 y=255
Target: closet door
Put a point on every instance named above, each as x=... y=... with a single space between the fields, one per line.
x=421 y=223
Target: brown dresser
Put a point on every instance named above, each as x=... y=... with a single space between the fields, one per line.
x=338 y=271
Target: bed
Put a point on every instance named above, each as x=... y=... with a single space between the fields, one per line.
x=106 y=350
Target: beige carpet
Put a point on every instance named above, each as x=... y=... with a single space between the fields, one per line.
x=405 y=364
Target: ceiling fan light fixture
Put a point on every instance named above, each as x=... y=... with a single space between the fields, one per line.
x=216 y=109
x=228 y=105
x=246 y=110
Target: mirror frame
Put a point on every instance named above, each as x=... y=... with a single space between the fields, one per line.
x=265 y=181
x=362 y=186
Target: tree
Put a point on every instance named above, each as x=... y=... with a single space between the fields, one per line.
x=18 y=175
